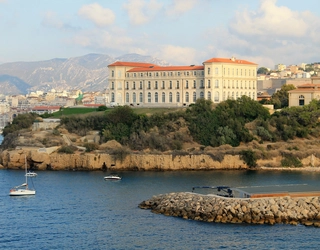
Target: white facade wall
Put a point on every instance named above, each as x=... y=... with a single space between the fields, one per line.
x=177 y=88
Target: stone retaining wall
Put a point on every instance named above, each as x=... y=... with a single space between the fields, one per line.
x=212 y=208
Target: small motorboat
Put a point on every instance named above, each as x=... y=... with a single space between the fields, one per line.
x=112 y=177
x=31 y=174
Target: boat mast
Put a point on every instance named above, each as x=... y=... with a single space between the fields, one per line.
x=25 y=163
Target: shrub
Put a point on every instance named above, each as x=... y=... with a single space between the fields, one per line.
x=90 y=146
x=249 y=157
x=290 y=160
x=120 y=153
x=67 y=149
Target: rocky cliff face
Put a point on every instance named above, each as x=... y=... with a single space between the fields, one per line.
x=49 y=159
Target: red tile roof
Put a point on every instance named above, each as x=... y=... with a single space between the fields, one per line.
x=229 y=60
x=167 y=68
x=131 y=64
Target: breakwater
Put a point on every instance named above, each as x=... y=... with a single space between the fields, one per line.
x=212 y=208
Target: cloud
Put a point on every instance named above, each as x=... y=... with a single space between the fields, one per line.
x=273 y=33
x=97 y=14
x=271 y=20
x=179 y=7
x=176 y=54
x=50 y=19
x=141 y=11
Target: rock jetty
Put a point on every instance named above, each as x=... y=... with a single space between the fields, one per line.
x=212 y=208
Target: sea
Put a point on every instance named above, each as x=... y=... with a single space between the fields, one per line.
x=80 y=210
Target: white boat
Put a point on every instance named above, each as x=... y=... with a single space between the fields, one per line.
x=31 y=174
x=22 y=189
x=112 y=177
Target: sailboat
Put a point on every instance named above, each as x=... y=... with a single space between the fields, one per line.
x=22 y=189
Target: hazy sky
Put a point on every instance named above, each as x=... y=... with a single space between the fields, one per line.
x=181 y=32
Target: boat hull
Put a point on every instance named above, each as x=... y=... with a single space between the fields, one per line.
x=22 y=192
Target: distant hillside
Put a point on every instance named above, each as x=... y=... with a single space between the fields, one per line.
x=87 y=73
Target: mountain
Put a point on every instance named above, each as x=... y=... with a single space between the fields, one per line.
x=87 y=73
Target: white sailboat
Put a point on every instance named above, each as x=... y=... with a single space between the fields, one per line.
x=22 y=189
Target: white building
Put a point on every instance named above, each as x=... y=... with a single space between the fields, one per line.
x=145 y=84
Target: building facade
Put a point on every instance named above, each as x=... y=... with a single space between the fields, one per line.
x=304 y=94
x=145 y=84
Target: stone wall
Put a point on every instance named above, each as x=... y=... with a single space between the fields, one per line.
x=212 y=208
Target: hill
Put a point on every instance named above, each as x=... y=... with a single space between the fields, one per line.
x=87 y=73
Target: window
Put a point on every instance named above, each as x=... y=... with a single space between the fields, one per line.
x=178 y=97
x=178 y=85
x=170 y=97
x=140 y=97
x=216 y=83
x=112 y=86
x=216 y=96
x=201 y=84
x=149 y=85
x=163 y=97
x=150 y=74
x=157 y=74
x=208 y=71
x=201 y=94
x=187 y=97
x=140 y=85
x=187 y=84
x=156 y=97
x=170 y=85
x=149 y=97
x=134 y=85
x=134 y=75
x=156 y=85
x=194 y=84
x=178 y=73
x=209 y=95
x=127 y=85
x=209 y=84
x=112 y=73
x=134 y=98
x=127 y=97
x=112 y=97
x=163 y=85
x=194 y=73
x=194 y=96
x=301 y=100
x=164 y=73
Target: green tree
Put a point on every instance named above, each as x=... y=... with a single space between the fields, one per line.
x=280 y=99
x=262 y=70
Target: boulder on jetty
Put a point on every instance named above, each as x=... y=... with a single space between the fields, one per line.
x=213 y=208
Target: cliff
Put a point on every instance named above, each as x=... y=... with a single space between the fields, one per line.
x=49 y=159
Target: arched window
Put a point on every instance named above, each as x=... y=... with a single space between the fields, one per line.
x=301 y=100
x=134 y=98
x=140 y=97
x=201 y=95
x=178 y=97
x=163 y=97
x=156 y=97
x=194 y=96
x=149 y=97
x=127 y=97
x=209 y=95
x=187 y=97
x=216 y=96
x=170 y=97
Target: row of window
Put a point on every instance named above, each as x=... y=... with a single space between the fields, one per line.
x=156 y=97
x=226 y=72
x=229 y=84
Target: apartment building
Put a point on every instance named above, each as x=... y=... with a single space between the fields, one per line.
x=145 y=84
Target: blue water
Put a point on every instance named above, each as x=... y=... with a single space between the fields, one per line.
x=80 y=210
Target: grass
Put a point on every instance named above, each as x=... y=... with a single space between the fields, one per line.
x=81 y=110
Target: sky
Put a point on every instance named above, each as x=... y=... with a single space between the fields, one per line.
x=181 y=32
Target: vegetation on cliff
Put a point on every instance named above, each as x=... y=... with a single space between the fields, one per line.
x=232 y=122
